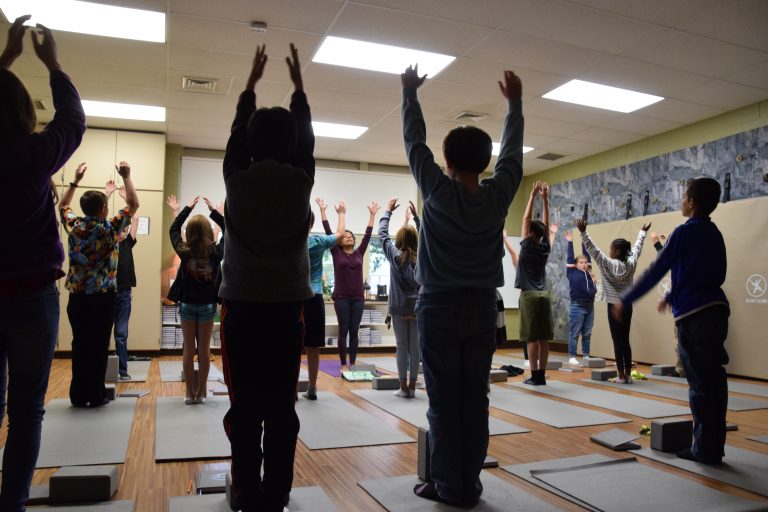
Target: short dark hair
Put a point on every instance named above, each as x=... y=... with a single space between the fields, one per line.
x=705 y=194
x=17 y=113
x=467 y=149
x=537 y=228
x=623 y=246
x=92 y=202
x=272 y=133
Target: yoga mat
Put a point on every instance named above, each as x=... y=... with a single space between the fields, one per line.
x=170 y=371
x=74 y=436
x=330 y=366
x=735 y=403
x=138 y=371
x=759 y=439
x=603 y=485
x=103 y=506
x=734 y=386
x=303 y=499
x=195 y=432
x=414 y=410
x=741 y=468
x=396 y=495
x=332 y=422
x=388 y=364
x=524 y=471
x=549 y=412
x=635 y=406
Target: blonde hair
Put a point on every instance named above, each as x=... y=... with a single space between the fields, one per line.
x=199 y=237
x=407 y=241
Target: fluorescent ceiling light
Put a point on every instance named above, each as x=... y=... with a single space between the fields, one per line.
x=123 y=111
x=338 y=131
x=497 y=148
x=379 y=57
x=89 y=18
x=602 y=96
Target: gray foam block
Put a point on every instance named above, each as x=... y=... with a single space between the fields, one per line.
x=554 y=365
x=363 y=368
x=303 y=386
x=490 y=462
x=603 y=374
x=133 y=393
x=83 y=484
x=112 y=369
x=212 y=480
x=616 y=439
x=231 y=497
x=385 y=383
x=671 y=434
x=498 y=376
x=594 y=362
x=38 y=495
x=218 y=391
x=663 y=369
x=111 y=391
x=731 y=427
x=422 y=464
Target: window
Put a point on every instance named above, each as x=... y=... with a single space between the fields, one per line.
x=378 y=268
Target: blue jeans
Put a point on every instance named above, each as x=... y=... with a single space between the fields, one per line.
x=457 y=333
x=122 y=316
x=582 y=318
x=29 y=326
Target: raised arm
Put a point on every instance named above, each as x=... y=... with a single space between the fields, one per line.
x=414 y=214
x=323 y=216
x=131 y=198
x=634 y=255
x=552 y=233
x=341 y=224
x=134 y=224
x=305 y=143
x=237 y=157
x=508 y=172
x=510 y=248
x=372 y=209
x=175 y=232
x=656 y=271
x=386 y=242
x=658 y=240
x=528 y=215
x=570 y=257
x=66 y=200
x=593 y=250
x=215 y=216
x=545 y=207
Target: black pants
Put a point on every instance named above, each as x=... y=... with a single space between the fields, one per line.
x=261 y=346
x=620 y=334
x=91 y=317
x=349 y=312
x=702 y=352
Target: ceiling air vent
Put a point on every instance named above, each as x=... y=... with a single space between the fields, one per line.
x=469 y=116
x=550 y=156
x=197 y=84
x=39 y=104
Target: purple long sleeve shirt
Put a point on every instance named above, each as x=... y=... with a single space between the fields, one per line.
x=348 y=268
x=29 y=161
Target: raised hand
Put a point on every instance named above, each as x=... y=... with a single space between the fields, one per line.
x=411 y=79
x=294 y=69
x=374 y=207
x=544 y=189
x=209 y=204
x=569 y=235
x=662 y=306
x=512 y=87
x=173 y=203
x=553 y=229
x=110 y=188
x=646 y=227
x=582 y=225
x=46 y=49
x=341 y=208
x=193 y=202
x=121 y=192
x=15 y=44
x=392 y=204
x=407 y=216
x=654 y=236
x=412 y=209
x=124 y=170
x=220 y=208
x=320 y=203
x=257 y=69
x=80 y=172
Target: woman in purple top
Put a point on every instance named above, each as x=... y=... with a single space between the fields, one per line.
x=348 y=293
x=29 y=301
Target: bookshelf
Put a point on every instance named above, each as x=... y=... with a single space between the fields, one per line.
x=373 y=330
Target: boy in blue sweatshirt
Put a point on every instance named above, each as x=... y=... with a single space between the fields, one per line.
x=459 y=268
x=582 y=310
x=695 y=252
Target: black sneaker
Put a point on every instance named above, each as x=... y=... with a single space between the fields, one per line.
x=124 y=376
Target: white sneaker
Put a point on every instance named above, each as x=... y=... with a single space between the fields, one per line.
x=401 y=394
x=573 y=361
x=527 y=363
x=189 y=400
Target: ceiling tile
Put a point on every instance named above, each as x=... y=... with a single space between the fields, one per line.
x=679 y=111
x=662 y=12
x=551 y=127
x=568 y=112
x=492 y=13
x=606 y=136
x=577 y=147
x=479 y=73
x=740 y=22
x=634 y=123
x=727 y=95
x=754 y=76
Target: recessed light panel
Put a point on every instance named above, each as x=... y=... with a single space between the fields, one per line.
x=602 y=96
x=123 y=111
x=497 y=148
x=338 y=131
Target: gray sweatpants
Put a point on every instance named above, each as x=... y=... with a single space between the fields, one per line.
x=407 y=338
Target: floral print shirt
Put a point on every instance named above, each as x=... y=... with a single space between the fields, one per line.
x=93 y=251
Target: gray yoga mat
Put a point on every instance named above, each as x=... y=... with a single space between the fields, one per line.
x=414 y=410
x=138 y=370
x=741 y=468
x=104 y=506
x=735 y=403
x=170 y=371
x=549 y=412
x=74 y=436
x=303 y=499
x=332 y=422
x=520 y=363
x=396 y=495
x=196 y=432
x=734 y=386
x=759 y=439
x=388 y=364
x=524 y=471
x=598 y=484
x=633 y=405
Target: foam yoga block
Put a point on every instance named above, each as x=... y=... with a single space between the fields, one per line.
x=422 y=465
x=671 y=434
x=554 y=365
x=303 y=386
x=663 y=369
x=211 y=481
x=603 y=374
x=385 y=383
x=490 y=462
x=83 y=484
x=111 y=391
x=594 y=362
x=498 y=376
x=112 y=369
x=231 y=496
x=363 y=368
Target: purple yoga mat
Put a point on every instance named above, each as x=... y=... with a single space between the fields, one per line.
x=330 y=366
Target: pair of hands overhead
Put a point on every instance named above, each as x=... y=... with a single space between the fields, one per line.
x=511 y=87
x=176 y=206
x=123 y=169
x=582 y=225
x=540 y=187
x=42 y=40
x=260 y=61
x=410 y=212
x=341 y=208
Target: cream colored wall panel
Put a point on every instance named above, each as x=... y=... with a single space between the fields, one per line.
x=145 y=152
x=98 y=152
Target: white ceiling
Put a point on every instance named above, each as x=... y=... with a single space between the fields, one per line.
x=705 y=56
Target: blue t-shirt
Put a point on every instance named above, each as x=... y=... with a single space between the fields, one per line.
x=317 y=245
